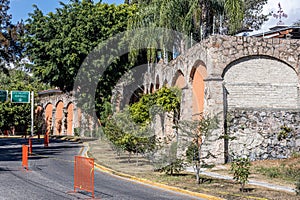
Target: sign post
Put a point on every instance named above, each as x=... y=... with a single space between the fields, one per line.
x=32 y=113
x=20 y=96
x=24 y=97
x=3 y=95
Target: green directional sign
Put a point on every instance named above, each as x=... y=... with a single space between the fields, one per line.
x=20 y=96
x=3 y=95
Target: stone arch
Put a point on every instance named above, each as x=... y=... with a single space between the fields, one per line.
x=135 y=97
x=179 y=80
x=157 y=84
x=197 y=76
x=151 y=88
x=70 y=110
x=165 y=84
x=260 y=82
x=59 y=118
x=48 y=117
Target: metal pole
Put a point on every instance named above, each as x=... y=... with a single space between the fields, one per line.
x=32 y=112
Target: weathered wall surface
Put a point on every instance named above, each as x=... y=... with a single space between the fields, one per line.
x=61 y=114
x=264 y=134
x=239 y=73
x=261 y=83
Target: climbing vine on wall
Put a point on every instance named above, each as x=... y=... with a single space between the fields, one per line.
x=166 y=98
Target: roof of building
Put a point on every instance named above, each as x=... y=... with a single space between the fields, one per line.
x=281 y=31
x=51 y=91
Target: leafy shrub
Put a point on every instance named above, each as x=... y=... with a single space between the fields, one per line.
x=175 y=166
x=241 y=170
x=283 y=133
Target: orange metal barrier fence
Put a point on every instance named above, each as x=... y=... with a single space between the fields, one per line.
x=84 y=174
x=25 y=156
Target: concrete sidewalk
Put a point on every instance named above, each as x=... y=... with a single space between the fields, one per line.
x=252 y=182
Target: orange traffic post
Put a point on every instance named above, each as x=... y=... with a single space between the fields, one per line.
x=25 y=156
x=30 y=145
x=84 y=174
x=46 y=140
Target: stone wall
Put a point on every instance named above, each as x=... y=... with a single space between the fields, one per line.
x=261 y=82
x=238 y=73
x=260 y=134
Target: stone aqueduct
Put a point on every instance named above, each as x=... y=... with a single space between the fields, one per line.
x=251 y=84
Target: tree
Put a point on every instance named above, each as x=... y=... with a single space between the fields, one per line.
x=241 y=171
x=12 y=114
x=11 y=47
x=199 y=131
x=297 y=23
x=58 y=43
x=253 y=16
x=195 y=18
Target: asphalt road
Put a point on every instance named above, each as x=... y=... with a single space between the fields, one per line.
x=51 y=173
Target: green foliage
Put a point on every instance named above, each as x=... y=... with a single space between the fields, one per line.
x=272 y=172
x=12 y=114
x=175 y=166
x=169 y=162
x=199 y=131
x=286 y=172
x=283 y=133
x=11 y=47
x=77 y=131
x=235 y=12
x=166 y=98
x=241 y=170
x=192 y=153
x=192 y=17
x=127 y=136
x=58 y=43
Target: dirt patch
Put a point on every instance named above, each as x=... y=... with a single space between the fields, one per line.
x=228 y=189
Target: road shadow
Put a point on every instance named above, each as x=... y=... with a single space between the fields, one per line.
x=11 y=149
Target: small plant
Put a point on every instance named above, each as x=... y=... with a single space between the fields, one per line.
x=241 y=171
x=77 y=131
x=175 y=166
x=283 y=133
x=272 y=172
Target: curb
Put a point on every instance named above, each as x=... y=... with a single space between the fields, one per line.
x=145 y=181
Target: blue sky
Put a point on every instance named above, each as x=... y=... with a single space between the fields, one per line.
x=20 y=8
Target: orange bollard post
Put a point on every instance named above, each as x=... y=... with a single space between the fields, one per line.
x=46 y=140
x=25 y=156
x=30 y=146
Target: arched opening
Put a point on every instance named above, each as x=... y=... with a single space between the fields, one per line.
x=70 y=110
x=59 y=118
x=197 y=76
x=165 y=84
x=260 y=82
x=135 y=97
x=151 y=88
x=157 y=83
x=179 y=80
x=48 y=118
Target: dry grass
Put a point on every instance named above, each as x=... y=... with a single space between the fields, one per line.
x=104 y=155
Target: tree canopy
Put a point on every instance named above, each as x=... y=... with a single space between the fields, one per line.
x=58 y=43
x=14 y=114
x=10 y=45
